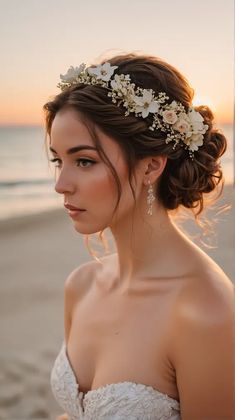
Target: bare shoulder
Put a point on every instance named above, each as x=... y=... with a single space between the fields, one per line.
x=207 y=286
x=204 y=346
x=208 y=297
x=206 y=301
x=82 y=277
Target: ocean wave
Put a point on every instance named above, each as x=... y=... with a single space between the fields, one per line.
x=24 y=182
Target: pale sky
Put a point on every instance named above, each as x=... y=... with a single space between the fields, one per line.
x=39 y=39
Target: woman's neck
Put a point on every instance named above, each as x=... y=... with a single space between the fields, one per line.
x=148 y=246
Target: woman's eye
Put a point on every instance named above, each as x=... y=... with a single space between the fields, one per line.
x=56 y=160
x=83 y=163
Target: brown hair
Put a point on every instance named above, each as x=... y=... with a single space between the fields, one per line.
x=183 y=181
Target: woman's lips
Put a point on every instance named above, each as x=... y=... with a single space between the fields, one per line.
x=75 y=213
x=70 y=207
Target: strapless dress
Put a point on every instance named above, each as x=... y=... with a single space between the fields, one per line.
x=117 y=401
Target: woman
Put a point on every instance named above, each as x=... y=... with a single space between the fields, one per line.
x=149 y=329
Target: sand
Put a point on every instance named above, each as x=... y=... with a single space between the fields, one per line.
x=37 y=254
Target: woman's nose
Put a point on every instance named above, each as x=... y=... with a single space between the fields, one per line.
x=63 y=184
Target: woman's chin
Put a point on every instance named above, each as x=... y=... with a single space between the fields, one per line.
x=88 y=230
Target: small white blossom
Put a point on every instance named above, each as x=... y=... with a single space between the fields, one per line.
x=173 y=105
x=146 y=103
x=72 y=73
x=116 y=83
x=194 y=141
x=196 y=120
x=103 y=71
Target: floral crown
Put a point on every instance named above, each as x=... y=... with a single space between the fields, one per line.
x=182 y=127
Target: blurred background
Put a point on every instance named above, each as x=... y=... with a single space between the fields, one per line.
x=39 y=248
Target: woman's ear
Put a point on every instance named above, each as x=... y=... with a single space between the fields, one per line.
x=154 y=166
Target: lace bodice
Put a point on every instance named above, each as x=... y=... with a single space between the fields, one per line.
x=117 y=401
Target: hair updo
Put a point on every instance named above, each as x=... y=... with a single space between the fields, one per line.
x=183 y=181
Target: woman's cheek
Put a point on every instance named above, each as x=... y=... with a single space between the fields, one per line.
x=102 y=184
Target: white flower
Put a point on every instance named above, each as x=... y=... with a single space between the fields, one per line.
x=169 y=116
x=194 y=141
x=103 y=71
x=72 y=73
x=173 y=105
x=196 y=121
x=116 y=83
x=146 y=103
x=182 y=124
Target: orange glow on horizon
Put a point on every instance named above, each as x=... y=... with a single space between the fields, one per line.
x=222 y=116
x=31 y=112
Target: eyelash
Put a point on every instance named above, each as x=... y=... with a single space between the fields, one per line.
x=77 y=161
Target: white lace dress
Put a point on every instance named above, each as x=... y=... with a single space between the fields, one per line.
x=117 y=401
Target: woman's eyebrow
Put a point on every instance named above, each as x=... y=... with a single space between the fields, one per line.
x=76 y=149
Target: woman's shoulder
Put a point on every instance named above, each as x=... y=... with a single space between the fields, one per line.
x=203 y=341
x=208 y=295
x=206 y=280
x=205 y=306
x=81 y=278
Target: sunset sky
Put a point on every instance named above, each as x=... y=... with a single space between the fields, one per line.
x=41 y=39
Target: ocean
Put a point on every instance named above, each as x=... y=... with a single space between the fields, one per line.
x=27 y=180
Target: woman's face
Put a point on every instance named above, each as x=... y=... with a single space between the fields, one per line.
x=85 y=181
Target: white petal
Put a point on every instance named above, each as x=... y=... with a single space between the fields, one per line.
x=138 y=100
x=105 y=77
x=195 y=140
x=193 y=147
x=107 y=66
x=114 y=84
x=94 y=70
x=145 y=112
x=139 y=108
x=147 y=96
x=71 y=74
x=173 y=105
x=153 y=106
x=195 y=116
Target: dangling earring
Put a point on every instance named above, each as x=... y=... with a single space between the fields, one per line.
x=150 y=199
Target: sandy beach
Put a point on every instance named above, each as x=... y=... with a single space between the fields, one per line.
x=37 y=254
